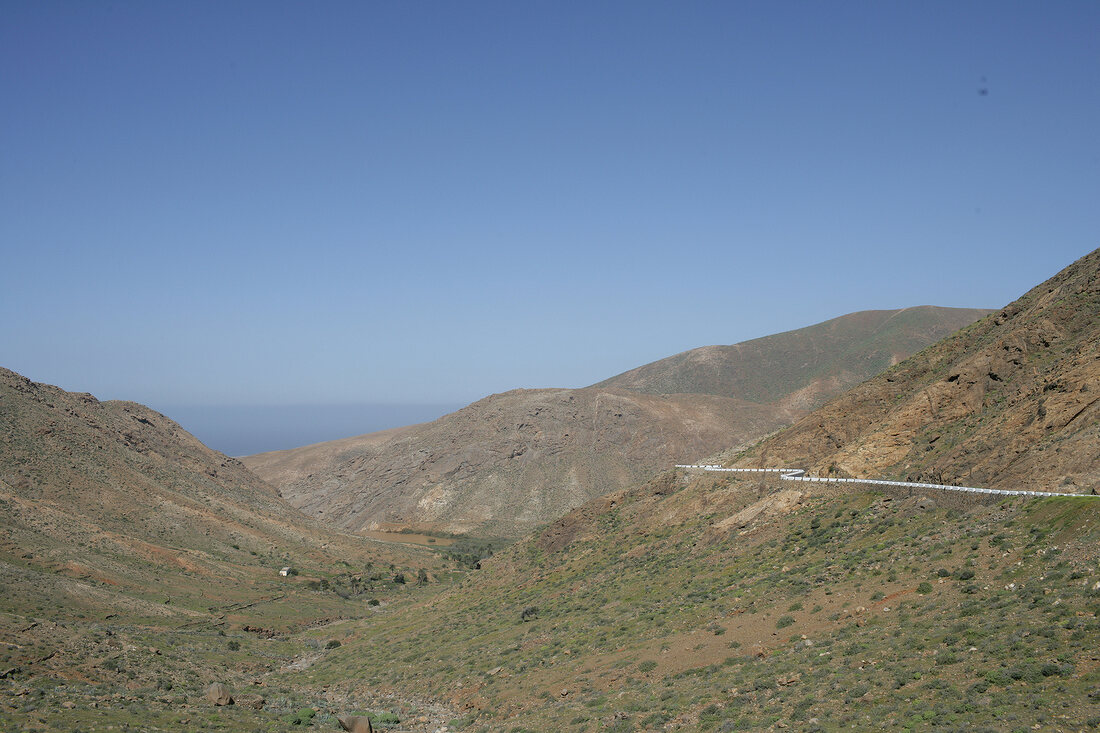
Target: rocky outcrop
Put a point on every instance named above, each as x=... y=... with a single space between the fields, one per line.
x=1010 y=402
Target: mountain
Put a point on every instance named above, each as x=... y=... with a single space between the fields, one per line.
x=137 y=567
x=112 y=504
x=1008 y=402
x=691 y=601
x=515 y=460
x=508 y=462
x=719 y=601
x=800 y=368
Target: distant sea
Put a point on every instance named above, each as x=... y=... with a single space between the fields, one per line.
x=244 y=430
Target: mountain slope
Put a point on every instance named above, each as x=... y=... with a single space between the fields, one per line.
x=825 y=611
x=507 y=462
x=115 y=502
x=803 y=367
x=515 y=460
x=738 y=602
x=137 y=567
x=1008 y=402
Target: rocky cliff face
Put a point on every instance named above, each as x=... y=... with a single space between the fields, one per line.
x=1008 y=402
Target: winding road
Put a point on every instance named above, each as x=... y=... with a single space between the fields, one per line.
x=798 y=474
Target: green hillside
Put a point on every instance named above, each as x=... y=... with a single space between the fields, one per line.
x=825 y=358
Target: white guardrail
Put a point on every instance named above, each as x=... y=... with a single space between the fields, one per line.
x=798 y=474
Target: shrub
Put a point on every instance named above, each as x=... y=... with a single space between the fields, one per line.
x=373 y=602
x=784 y=621
x=385 y=719
x=647 y=666
x=332 y=644
x=302 y=717
x=653 y=720
x=924 y=588
x=233 y=646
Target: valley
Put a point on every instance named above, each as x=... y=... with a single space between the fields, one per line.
x=139 y=567
x=512 y=461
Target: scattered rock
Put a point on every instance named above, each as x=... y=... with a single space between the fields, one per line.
x=355 y=724
x=256 y=702
x=218 y=694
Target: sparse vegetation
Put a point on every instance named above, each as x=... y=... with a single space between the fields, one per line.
x=661 y=606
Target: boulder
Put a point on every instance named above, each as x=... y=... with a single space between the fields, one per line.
x=355 y=724
x=218 y=694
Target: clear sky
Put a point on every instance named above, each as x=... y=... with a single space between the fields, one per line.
x=289 y=203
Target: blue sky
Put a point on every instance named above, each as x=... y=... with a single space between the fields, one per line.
x=287 y=203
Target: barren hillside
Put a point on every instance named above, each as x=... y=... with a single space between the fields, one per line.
x=509 y=461
x=108 y=501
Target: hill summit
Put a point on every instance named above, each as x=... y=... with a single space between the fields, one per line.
x=804 y=367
